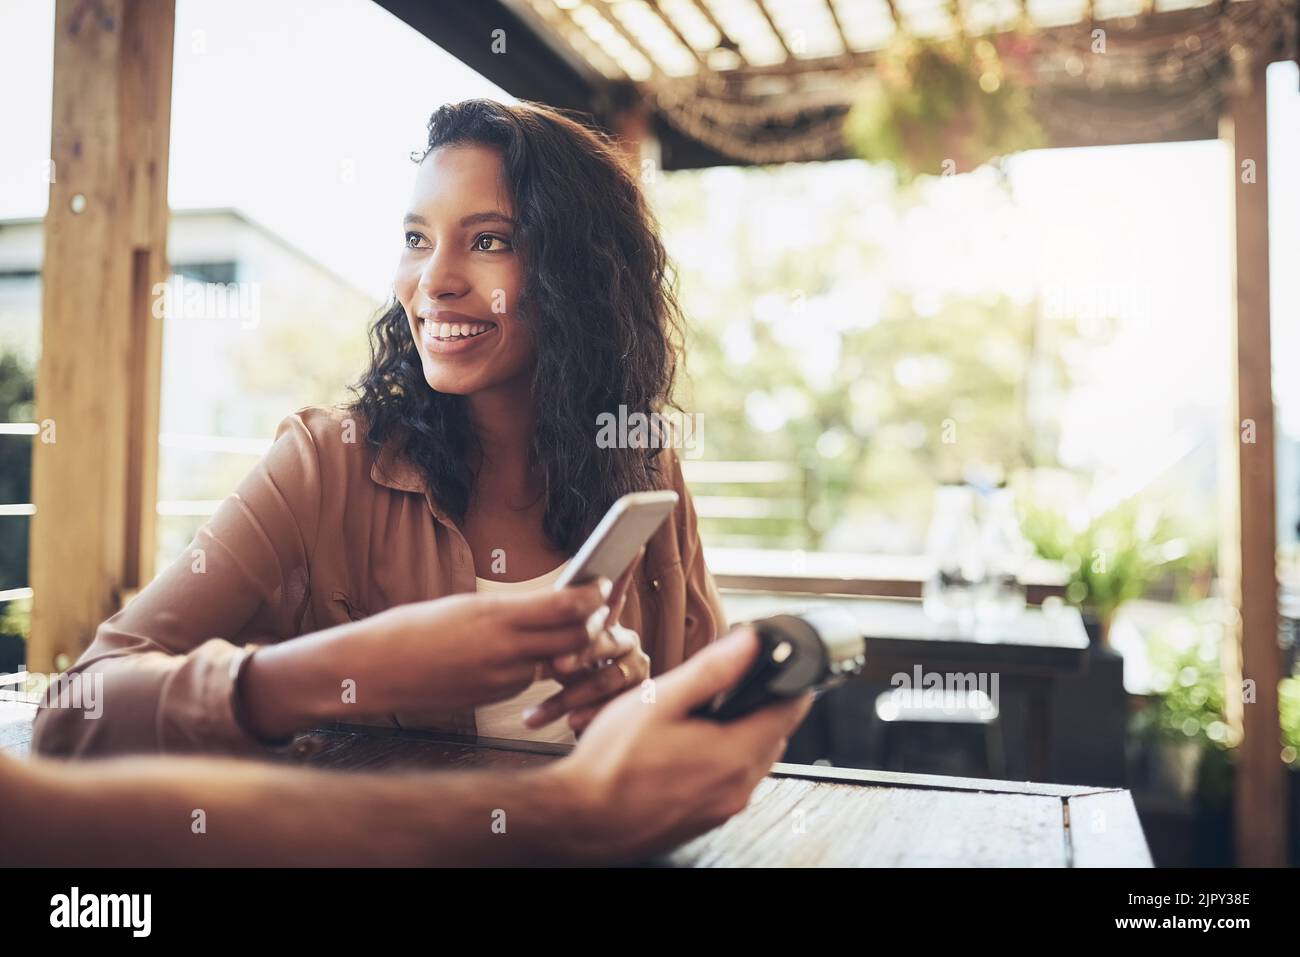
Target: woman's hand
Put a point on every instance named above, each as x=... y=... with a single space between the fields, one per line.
x=469 y=650
x=447 y=653
x=619 y=664
x=610 y=664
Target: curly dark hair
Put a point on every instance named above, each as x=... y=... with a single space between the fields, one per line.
x=601 y=293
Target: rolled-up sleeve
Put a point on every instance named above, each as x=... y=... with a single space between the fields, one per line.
x=164 y=665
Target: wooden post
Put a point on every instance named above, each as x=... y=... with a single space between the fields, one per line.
x=95 y=457
x=634 y=132
x=1249 y=560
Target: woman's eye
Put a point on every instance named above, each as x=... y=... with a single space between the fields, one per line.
x=489 y=238
x=413 y=240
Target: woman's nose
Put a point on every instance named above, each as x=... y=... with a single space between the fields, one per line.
x=442 y=276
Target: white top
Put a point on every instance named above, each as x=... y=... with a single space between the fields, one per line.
x=501 y=719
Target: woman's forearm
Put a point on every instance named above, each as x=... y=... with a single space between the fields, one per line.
x=296 y=684
x=204 y=812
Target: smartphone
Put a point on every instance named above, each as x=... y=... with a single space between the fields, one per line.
x=612 y=547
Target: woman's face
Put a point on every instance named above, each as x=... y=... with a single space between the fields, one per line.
x=459 y=276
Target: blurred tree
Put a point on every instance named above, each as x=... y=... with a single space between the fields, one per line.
x=798 y=353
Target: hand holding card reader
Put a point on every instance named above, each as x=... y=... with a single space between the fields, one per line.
x=807 y=651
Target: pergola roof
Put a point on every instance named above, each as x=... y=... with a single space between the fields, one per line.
x=762 y=81
x=641 y=39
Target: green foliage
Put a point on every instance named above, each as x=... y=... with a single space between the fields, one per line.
x=1185 y=658
x=879 y=394
x=17 y=387
x=1190 y=705
x=1114 y=557
x=16 y=618
x=941 y=106
x=1289 y=709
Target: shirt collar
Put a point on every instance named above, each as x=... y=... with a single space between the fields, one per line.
x=394 y=470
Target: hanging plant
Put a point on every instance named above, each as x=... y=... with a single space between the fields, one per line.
x=941 y=107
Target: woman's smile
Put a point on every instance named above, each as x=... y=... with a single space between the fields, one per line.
x=454 y=334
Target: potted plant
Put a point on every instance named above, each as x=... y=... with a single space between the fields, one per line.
x=941 y=107
x=1111 y=558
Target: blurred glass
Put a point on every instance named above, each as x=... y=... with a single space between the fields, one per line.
x=954 y=548
x=1001 y=596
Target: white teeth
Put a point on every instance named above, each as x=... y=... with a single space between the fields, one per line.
x=459 y=330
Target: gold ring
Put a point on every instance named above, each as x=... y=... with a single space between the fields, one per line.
x=627 y=675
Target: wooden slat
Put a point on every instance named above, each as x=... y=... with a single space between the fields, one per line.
x=893 y=15
x=905 y=779
x=839 y=27
x=1248 y=560
x=726 y=39
x=762 y=8
x=880 y=586
x=94 y=487
x=681 y=37
x=633 y=41
x=800 y=823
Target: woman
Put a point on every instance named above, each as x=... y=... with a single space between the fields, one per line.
x=532 y=296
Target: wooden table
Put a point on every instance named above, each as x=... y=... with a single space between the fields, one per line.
x=799 y=816
x=1026 y=654
x=805 y=816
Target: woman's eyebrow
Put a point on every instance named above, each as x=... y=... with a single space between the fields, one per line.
x=490 y=216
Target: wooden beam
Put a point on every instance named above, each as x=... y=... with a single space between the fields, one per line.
x=893 y=15
x=762 y=8
x=839 y=27
x=808 y=66
x=1249 y=560
x=533 y=67
x=94 y=463
x=726 y=39
x=681 y=37
x=632 y=41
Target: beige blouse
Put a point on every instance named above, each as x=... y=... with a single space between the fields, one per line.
x=323 y=531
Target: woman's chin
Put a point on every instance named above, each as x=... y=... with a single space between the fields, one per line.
x=450 y=384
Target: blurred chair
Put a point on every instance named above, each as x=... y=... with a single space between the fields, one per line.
x=962 y=736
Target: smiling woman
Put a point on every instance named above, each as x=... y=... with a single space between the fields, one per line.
x=526 y=222
x=439 y=329
x=531 y=301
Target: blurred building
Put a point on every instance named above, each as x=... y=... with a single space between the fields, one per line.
x=255 y=328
